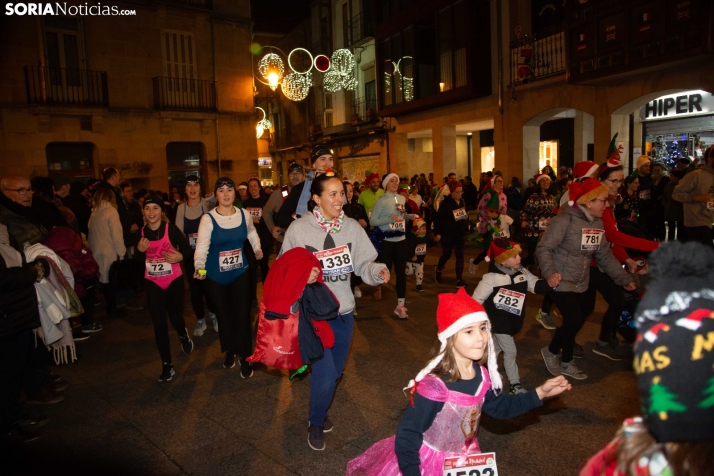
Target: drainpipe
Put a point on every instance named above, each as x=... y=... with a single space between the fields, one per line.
x=499 y=44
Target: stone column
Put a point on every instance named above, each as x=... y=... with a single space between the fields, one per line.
x=444 y=138
x=398 y=154
x=531 y=150
x=584 y=135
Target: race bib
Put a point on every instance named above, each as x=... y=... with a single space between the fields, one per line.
x=460 y=214
x=335 y=261
x=192 y=239
x=229 y=260
x=483 y=464
x=543 y=223
x=255 y=212
x=509 y=301
x=645 y=195
x=158 y=267
x=591 y=239
x=710 y=206
x=420 y=249
x=399 y=225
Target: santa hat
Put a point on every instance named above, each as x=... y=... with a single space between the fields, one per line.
x=642 y=160
x=502 y=249
x=494 y=202
x=454 y=185
x=586 y=190
x=418 y=223
x=369 y=176
x=539 y=177
x=675 y=322
x=456 y=311
x=584 y=169
x=613 y=153
x=387 y=178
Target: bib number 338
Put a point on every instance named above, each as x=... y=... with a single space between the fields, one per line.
x=483 y=464
x=335 y=261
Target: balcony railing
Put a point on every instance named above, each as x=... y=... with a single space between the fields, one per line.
x=283 y=138
x=361 y=27
x=364 y=110
x=538 y=56
x=66 y=87
x=184 y=94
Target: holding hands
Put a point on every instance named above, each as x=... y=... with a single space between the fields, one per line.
x=553 y=387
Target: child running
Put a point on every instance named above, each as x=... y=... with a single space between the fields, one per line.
x=463 y=375
x=416 y=252
x=163 y=247
x=502 y=291
x=493 y=223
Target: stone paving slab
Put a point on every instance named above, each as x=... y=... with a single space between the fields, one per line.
x=118 y=419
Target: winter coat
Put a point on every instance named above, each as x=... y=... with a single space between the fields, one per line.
x=695 y=183
x=18 y=299
x=106 y=238
x=538 y=211
x=673 y=210
x=563 y=249
x=445 y=223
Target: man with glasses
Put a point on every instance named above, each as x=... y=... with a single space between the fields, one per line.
x=296 y=175
x=696 y=192
x=25 y=220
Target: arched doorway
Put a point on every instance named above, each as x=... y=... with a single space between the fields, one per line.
x=557 y=137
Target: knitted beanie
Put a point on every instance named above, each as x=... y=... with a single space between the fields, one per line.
x=456 y=311
x=501 y=249
x=674 y=350
x=319 y=151
x=586 y=190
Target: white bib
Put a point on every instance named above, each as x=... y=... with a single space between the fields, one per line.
x=158 y=267
x=509 y=301
x=192 y=239
x=591 y=239
x=482 y=464
x=399 y=225
x=335 y=261
x=460 y=214
x=255 y=212
x=229 y=260
x=645 y=195
x=420 y=249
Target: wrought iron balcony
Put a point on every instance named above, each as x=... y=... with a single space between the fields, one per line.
x=66 y=87
x=361 y=27
x=364 y=110
x=538 y=56
x=284 y=138
x=184 y=94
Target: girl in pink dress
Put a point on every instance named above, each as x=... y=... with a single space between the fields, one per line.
x=447 y=397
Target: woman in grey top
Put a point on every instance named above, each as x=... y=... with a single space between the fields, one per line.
x=342 y=248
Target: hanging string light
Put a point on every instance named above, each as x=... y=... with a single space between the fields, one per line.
x=340 y=74
x=262 y=125
x=271 y=67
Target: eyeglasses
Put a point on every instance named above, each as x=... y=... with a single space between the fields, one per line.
x=21 y=191
x=603 y=200
x=615 y=182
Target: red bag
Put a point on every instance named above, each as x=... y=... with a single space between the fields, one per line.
x=277 y=342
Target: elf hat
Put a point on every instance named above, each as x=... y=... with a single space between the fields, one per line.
x=404 y=186
x=584 y=169
x=494 y=202
x=539 y=177
x=370 y=176
x=613 y=153
x=586 y=190
x=418 y=223
x=674 y=359
x=642 y=160
x=501 y=249
x=456 y=311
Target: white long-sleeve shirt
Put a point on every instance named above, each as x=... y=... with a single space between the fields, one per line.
x=205 y=229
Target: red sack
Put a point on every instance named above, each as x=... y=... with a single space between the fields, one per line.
x=277 y=343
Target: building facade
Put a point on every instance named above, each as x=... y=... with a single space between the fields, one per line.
x=159 y=95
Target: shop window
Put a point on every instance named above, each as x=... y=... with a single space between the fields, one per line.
x=184 y=159
x=71 y=158
x=548 y=155
x=488 y=159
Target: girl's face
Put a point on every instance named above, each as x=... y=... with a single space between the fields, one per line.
x=349 y=191
x=323 y=162
x=597 y=207
x=254 y=189
x=513 y=261
x=613 y=181
x=457 y=193
x=225 y=195
x=544 y=184
x=471 y=342
x=393 y=185
x=632 y=187
x=331 y=199
x=193 y=189
x=152 y=213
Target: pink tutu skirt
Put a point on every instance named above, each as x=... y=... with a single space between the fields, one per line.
x=381 y=460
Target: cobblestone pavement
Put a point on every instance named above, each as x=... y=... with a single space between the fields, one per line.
x=118 y=419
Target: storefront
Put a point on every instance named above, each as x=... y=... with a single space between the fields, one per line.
x=678 y=125
x=265 y=171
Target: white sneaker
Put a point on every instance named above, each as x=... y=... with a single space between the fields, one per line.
x=214 y=320
x=357 y=292
x=200 y=328
x=401 y=312
x=472 y=268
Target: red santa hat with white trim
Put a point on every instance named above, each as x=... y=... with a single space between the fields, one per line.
x=456 y=311
x=539 y=177
x=584 y=169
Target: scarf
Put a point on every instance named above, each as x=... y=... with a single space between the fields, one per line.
x=329 y=226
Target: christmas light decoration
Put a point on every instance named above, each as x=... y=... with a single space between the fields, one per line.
x=297 y=50
x=340 y=74
x=322 y=63
x=271 y=67
x=262 y=125
x=406 y=85
x=296 y=86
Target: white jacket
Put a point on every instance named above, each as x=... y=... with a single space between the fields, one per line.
x=490 y=281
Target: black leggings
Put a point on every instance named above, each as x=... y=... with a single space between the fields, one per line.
x=195 y=287
x=160 y=303
x=457 y=245
x=613 y=294
x=231 y=303
x=571 y=307
x=395 y=252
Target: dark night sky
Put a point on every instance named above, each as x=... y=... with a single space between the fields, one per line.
x=278 y=16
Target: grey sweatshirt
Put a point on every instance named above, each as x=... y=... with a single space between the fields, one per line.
x=305 y=232
x=693 y=184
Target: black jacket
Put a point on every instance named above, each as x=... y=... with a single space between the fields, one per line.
x=318 y=303
x=445 y=224
x=18 y=299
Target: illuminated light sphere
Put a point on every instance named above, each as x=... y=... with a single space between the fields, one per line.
x=271 y=67
x=296 y=86
x=322 y=63
x=262 y=125
x=290 y=62
x=340 y=75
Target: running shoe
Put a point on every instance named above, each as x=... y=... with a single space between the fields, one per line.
x=401 y=312
x=167 y=373
x=552 y=361
x=472 y=266
x=246 y=370
x=460 y=283
x=316 y=437
x=608 y=351
x=326 y=425
x=200 y=328
x=186 y=343
x=420 y=288
x=572 y=370
x=230 y=361
x=91 y=328
x=577 y=350
x=545 y=320
x=214 y=320
x=517 y=388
